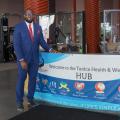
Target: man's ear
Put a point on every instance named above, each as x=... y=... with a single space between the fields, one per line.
x=25 y=16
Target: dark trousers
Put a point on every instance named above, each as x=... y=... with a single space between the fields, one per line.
x=22 y=74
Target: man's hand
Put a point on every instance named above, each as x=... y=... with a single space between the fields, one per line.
x=23 y=64
x=53 y=51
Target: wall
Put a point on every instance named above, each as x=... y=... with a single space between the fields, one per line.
x=13 y=8
x=66 y=5
x=17 y=6
x=105 y=5
x=80 y=5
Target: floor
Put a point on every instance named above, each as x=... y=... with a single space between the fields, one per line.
x=8 y=77
x=50 y=112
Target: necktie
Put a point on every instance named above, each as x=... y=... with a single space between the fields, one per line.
x=31 y=32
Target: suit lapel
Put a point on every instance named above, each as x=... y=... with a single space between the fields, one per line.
x=35 y=31
x=27 y=31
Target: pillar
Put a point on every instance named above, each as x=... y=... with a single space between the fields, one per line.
x=92 y=27
x=37 y=6
x=73 y=21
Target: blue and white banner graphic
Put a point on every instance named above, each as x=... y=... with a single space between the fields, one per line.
x=82 y=81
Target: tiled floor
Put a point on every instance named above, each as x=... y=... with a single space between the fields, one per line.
x=7 y=104
x=8 y=77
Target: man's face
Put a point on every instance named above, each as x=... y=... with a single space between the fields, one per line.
x=28 y=16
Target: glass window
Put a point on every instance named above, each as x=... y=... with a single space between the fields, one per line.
x=111 y=31
x=57 y=30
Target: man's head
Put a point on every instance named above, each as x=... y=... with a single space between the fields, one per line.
x=28 y=16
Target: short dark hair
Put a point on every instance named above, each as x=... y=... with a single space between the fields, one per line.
x=27 y=10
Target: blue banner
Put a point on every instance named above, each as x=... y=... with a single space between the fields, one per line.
x=81 y=81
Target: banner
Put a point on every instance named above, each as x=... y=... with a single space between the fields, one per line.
x=82 y=81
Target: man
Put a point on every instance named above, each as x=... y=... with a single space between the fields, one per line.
x=27 y=38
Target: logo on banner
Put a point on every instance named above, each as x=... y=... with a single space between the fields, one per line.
x=100 y=87
x=119 y=89
x=53 y=84
x=44 y=87
x=79 y=86
x=64 y=85
x=45 y=81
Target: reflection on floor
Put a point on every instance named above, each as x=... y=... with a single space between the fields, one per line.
x=8 y=77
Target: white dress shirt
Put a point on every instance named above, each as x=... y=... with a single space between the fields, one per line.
x=31 y=26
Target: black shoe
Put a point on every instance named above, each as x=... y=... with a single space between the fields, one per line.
x=31 y=103
x=20 y=108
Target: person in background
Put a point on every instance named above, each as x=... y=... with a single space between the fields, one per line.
x=111 y=45
x=27 y=38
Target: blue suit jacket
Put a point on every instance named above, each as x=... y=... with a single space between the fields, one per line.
x=24 y=48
